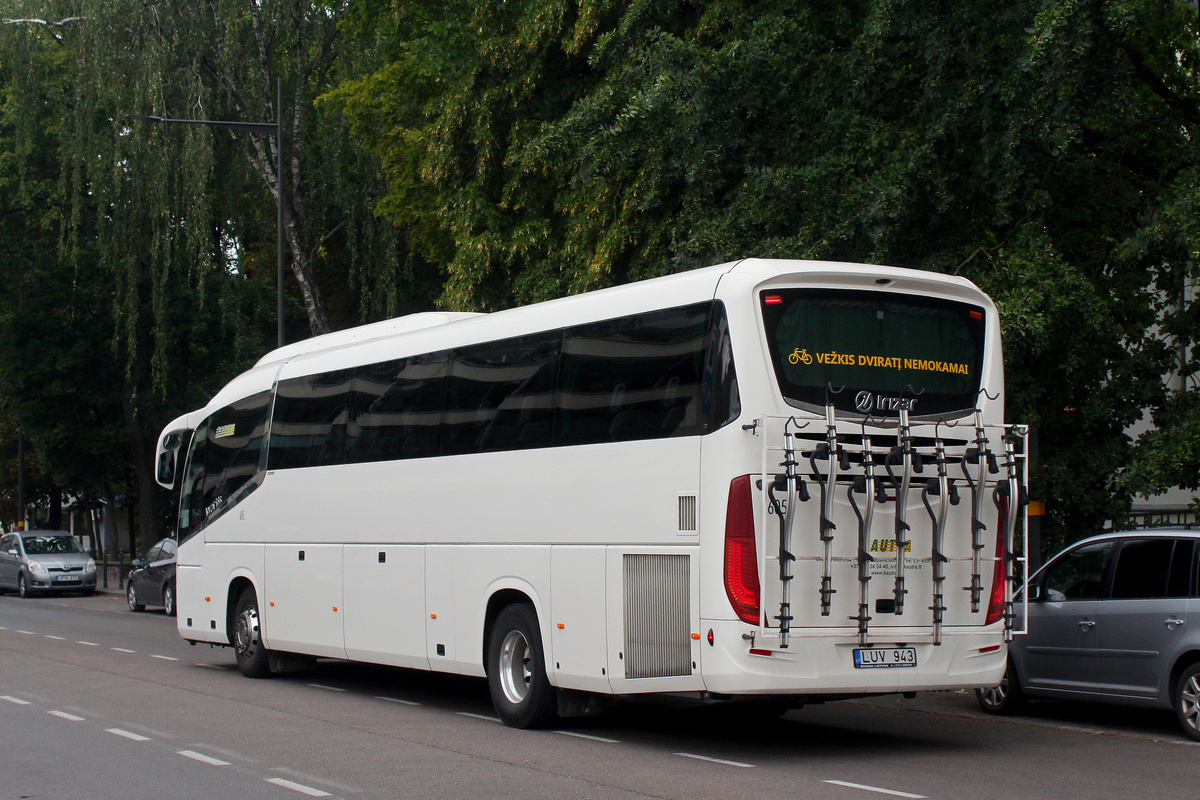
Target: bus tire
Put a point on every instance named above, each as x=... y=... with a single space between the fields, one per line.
x=516 y=670
x=252 y=658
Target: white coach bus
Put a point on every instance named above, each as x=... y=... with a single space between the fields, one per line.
x=775 y=481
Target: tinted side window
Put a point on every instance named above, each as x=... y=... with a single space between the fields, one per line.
x=397 y=409
x=226 y=453
x=1079 y=575
x=500 y=395
x=638 y=377
x=720 y=400
x=1179 y=584
x=1143 y=566
x=308 y=425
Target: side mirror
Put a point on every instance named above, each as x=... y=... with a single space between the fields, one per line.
x=166 y=467
x=12 y=552
x=137 y=562
x=1035 y=592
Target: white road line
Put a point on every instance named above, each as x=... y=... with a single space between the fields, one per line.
x=66 y=716
x=56 y=638
x=122 y=650
x=28 y=633
x=590 y=737
x=88 y=644
x=203 y=759
x=715 y=760
x=166 y=658
x=877 y=790
x=397 y=700
x=484 y=717
x=326 y=688
x=136 y=737
x=16 y=700
x=297 y=787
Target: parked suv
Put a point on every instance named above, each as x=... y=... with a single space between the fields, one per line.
x=45 y=561
x=152 y=582
x=1109 y=621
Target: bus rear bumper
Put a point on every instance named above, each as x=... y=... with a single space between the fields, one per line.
x=825 y=664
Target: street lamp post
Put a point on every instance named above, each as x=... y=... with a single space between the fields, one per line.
x=273 y=129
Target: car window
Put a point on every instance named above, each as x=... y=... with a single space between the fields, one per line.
x=1179 y=583
x=153 y=554
x=1079 y=575
x=8 y=543
x=44 y=545
x=168 y=547
x=1143 y=566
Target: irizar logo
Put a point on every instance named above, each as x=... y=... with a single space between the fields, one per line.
x=866 y=402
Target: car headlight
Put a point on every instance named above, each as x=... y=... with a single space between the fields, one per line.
x=90 y=566
x=37 y=569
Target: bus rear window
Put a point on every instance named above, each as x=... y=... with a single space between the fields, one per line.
x=874 y=353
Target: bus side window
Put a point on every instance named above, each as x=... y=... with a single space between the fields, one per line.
x=720 y=399
x=191 y=506
x=636 y=377
x=308 y=425
x=500 y=395
x=397 y=409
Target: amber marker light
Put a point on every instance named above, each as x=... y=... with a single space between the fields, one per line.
x=561 y=626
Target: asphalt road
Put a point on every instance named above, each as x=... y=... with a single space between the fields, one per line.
x=97 y=702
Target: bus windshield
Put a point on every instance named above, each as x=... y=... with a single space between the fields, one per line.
x=874 y=353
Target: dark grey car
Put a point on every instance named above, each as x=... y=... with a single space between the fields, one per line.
x=45 y=561
x=152 y=582
x=1109 y=621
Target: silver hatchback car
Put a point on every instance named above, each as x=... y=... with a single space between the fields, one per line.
x=1109 y=621
x=45 y=561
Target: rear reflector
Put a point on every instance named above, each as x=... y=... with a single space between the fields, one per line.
x=741 y=558
x=995 y=610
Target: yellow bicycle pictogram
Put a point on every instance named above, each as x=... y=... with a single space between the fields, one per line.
x=799 y=355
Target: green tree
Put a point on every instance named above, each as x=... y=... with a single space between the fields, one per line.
x=1044 y=149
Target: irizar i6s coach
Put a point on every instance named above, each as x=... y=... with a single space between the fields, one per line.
x=771 y=481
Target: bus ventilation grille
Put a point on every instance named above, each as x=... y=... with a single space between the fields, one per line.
x=687 y=513
x=657 y=640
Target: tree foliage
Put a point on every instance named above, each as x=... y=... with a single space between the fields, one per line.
x=1043 y=149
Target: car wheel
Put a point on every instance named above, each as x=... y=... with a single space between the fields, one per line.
x=521 y=693
x=131 y=597
x=23 y=586
x=1187 y=701
x=169 y=599
x=1004 y=698
x=252 y=657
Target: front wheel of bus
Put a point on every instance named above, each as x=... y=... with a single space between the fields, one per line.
x=251 y=656
x=521 y=693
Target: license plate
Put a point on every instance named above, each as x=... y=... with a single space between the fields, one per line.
x=885 y=657
x=66 y=578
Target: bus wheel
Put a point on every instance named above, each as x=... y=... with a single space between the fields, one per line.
x=247 y=637
x=521 y=693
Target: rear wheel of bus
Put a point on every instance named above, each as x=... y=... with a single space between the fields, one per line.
x=521 y=693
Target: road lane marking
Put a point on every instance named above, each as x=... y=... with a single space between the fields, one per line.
x=66 y=716
x=203 y=759
x=28 y=633
x=122 y=650
x=298 y=787
x=16 y=700
x=484 y=717
x=589 y=736
x=878 y=790
x=326 y=688
x=88 y=644
x=56 y=638
x=136 y=737
x=166 y=658
x=715 y=760
x=397 y=700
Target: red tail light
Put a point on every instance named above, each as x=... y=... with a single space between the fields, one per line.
x=741 y=559
x=996 y=604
